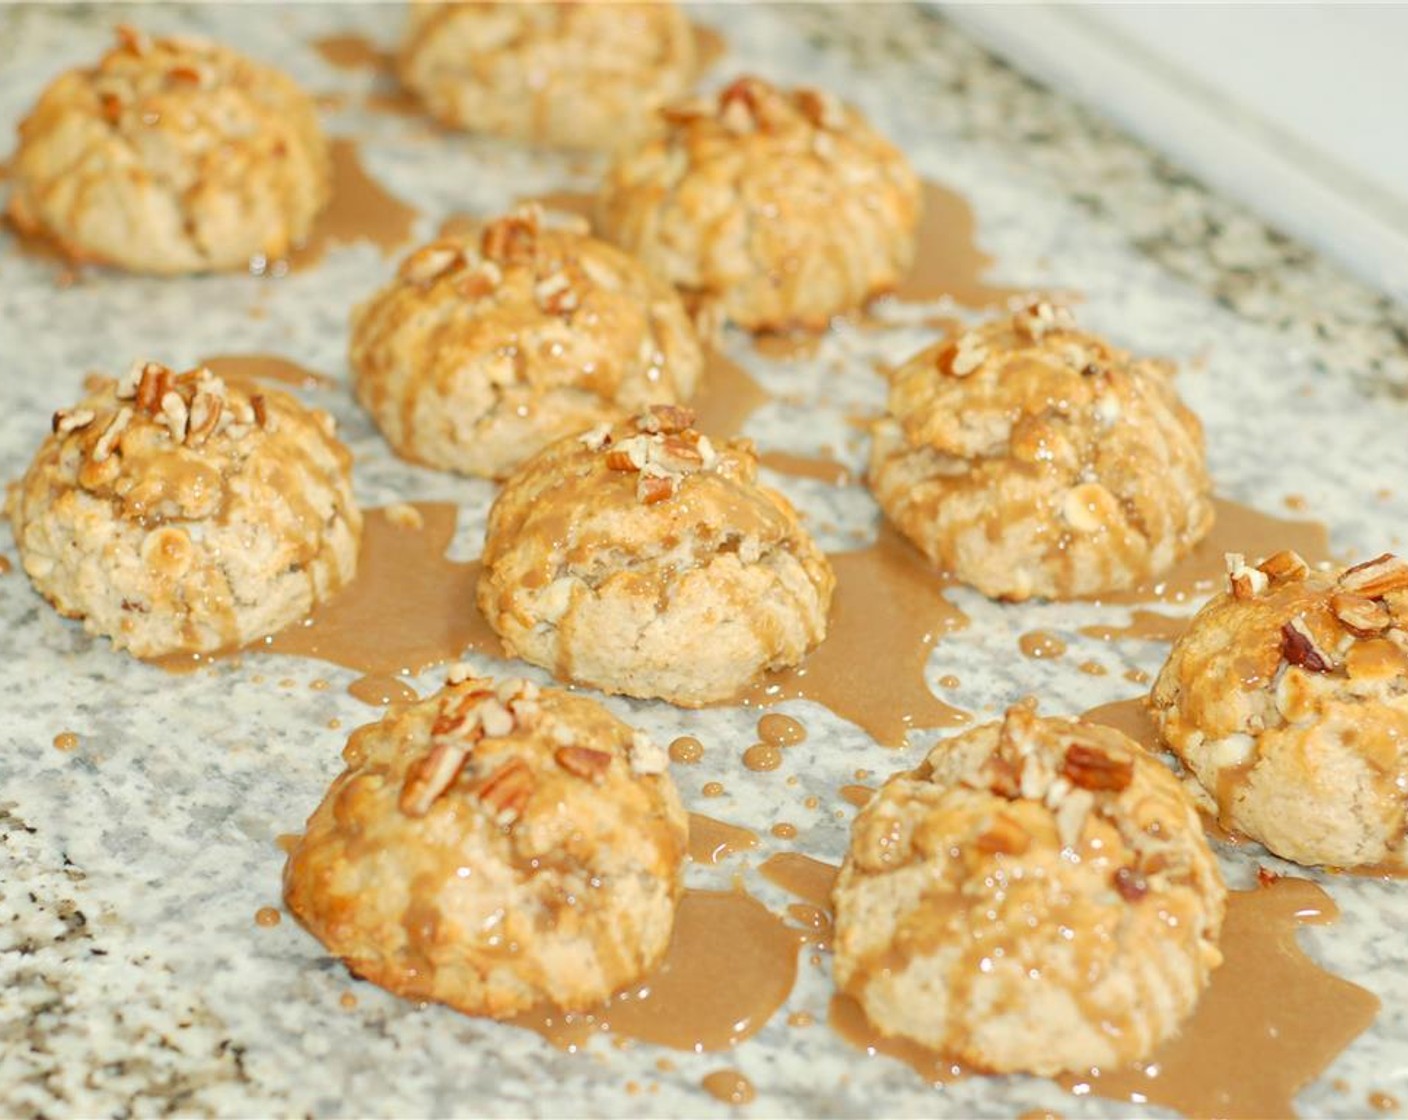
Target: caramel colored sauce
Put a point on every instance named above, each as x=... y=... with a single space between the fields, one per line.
x=762 y=757
x=1238 y=528
x=5 y=566
x=408 y=608
x=859 y=796
x=809 y=879
x=709 y=46
x=381 y=690
x=348 y=1001
x=727 y=396
x=351 y=52
x=267 y=367
x=806 y=466
x=66 y=741
x=888 y=613
x=1145 y=626
x=1041 y=645
x=781 y=730
x=712 y=789
x=791 y=346
x=784 y=830
x=801 y=1019
x=730 y=965
x=729 y=1086
x=712 y=841
x=1093 y=669
x=287 y=841
x=1383 y=1102
x=267 y=917
x=849 y=1021
x=1270 y=1022
x=947 y=260
x=686 y=750
x=360 y=209
x=1129 y=716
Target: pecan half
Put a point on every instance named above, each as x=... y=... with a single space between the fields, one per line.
x=583 y=761
x=430 y=776
x=1091 y=768
x=1363 y=616
x=1298 y=647
x=1284 y=565
x=1375 y=578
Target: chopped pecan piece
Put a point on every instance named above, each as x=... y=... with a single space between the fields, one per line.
x=1284 y=565
x=668 y=418
x=1091 y=768
x=1363 y=616
x=1298 y=647
x=151 y=387
x=512 y=239
x=583 y=761
x=1244 y=582
x=654 y=488
x=506 y=791
x=1131 y=885
x=430 y=776
x=66 y=420
x=1375 y=578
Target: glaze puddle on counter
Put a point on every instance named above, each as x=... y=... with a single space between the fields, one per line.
x=266 y=367
x=888 y=613
x=730 y=965
x=360 y=209
x=409 y=607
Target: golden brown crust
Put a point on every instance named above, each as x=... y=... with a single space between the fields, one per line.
x=780 y=208
x=492 y=847
x=171 y=155
x=173 y=512
x=488 y=347
x=1287 y=699
x=571 y=75
x=1030 y=458
x=643 y=560
x=1038 y=896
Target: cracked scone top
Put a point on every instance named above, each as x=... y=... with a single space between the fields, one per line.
x=171 y=155
x=1030 y=458
x=1287 y=699
x=488 y=347
x=1037 y=897
x=777 y=209
x=642 y=560
x=571 y=75
x=173 y=513
x=493 y=847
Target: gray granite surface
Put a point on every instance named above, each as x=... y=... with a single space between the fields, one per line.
x=133 y=979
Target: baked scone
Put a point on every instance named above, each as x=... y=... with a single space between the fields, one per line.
x=773 y=209
x=487 y=348
x=642 y=560
x=171 y=155
x=1038 y=896
x=172 y=512
x=1030 y=458
x=493 y=847
x=1287 y=700
x=570 y=75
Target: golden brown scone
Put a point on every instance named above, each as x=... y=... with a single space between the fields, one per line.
x=487 y=348
x=569 y=75
x=175 y=513
x=777 y=209
x=171 y=155
x=493 y=847
x=1030 y=458
x=1287 y=699
x=1038 y=896
x=641 y=560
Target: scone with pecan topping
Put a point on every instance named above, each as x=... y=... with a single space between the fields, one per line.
x=1287 y=700
x=1038 y=896
x=776 y=209
x=642 y=560
x=493 y=847
x=173 y=513
x=487 y=348
x=570 y=75
x=171 y=155
x=1030 y=458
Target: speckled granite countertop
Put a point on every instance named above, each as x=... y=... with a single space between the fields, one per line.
x=133 y=979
